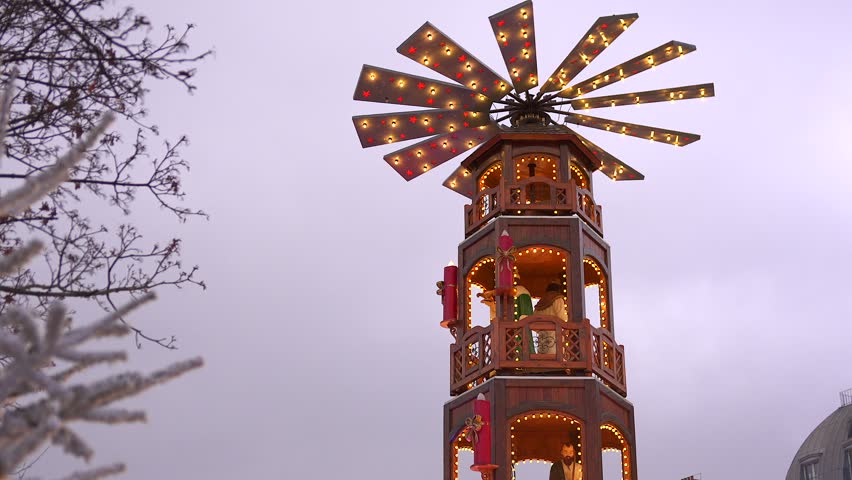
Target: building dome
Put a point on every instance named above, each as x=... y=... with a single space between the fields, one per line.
x=827 y=452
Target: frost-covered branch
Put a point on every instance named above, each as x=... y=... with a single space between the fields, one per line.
x=31 y=348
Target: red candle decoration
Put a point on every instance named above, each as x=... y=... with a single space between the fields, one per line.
x=482 y=438
x=482 y=448
x=449 y=297
x=505 y=263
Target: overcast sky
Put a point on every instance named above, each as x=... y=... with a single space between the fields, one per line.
x=730 y=262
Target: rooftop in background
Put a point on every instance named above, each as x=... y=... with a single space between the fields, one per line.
x=846 y=397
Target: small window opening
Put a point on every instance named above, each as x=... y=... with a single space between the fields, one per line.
x=809 y=471
x=847 y=464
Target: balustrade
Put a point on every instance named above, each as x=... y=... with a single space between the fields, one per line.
x=537 y=343
x=533 y=194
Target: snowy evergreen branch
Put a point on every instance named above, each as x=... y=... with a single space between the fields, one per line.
x=31 y=347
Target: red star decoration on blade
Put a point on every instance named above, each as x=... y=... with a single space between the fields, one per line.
x=421 y=85
x=401 y=135
x=463 y=58
x=604 y=26
x=466 y=124
x=412 y=50
x=365 y=93
x=513 y=59
x=465 y=113
x=409 y=173
x=430 y=101
x=370 y=140
x=440 y=115
x=433 y=146
x=436 y=65
x=399 y=99
x=430 y=130
x=500 y=23
x=459 y=75
x=412 y=119
x=384 y=122
x=527 y=44
x=453 y=150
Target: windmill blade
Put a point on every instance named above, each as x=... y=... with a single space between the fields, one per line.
x=650 y=59
x=672 y=137
x=461 y=181
x=608 y=164
x=433 y=48
x=651 y=96
x=600 y=35
x=415 y=160
x=387 y=128
x=515 y=34
x=389 y=86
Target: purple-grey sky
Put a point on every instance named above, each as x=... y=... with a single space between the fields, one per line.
x=320 y=327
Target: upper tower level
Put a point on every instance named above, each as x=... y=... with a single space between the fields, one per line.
x=529 y=170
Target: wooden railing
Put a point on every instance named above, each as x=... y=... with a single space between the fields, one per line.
x=533 y=194
x=536 y=344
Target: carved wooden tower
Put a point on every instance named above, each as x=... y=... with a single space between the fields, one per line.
x=551 y=375
x=540 y=370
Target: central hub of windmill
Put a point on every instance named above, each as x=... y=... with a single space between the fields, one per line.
x=529 y=109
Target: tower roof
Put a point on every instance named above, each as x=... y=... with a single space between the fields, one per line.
x=827 y=446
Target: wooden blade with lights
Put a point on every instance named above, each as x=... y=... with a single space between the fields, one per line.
x=593 y=43
x=650 y=59
x=515 y=35
x=462 y=181
x=651 y=96
x=381 y=85
x=672 y=137
x=608 y=164
x=433 y=48
x=388 y=128
x=415 y=160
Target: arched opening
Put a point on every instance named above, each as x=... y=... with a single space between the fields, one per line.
x=536 y=439
x=541 y=165
x=541 y=288
x=581 y=178
x=615 y=454
x=481 y=304
x=490 y=178
x=594 y=290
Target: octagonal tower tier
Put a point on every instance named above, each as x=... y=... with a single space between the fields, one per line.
x=529 y=170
